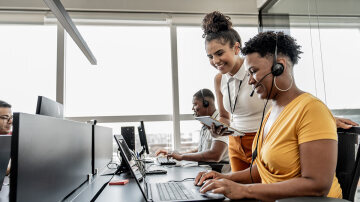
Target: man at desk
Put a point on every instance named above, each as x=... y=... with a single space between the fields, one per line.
x=5 y=118
x=210 y=149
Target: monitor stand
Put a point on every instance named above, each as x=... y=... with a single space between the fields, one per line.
x=122 y=168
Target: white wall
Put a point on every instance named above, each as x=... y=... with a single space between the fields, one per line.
x=173 y=6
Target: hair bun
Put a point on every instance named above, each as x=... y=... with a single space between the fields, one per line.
x=215 y=22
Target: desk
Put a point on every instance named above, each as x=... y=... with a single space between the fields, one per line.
x=131 y=191
x=5 y=190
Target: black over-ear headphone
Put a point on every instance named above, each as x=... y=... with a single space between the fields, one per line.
x=205 y=102
x=277 y=69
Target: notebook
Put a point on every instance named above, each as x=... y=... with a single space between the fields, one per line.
x=171 y=191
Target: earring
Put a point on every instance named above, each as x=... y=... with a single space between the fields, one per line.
x=282 y=90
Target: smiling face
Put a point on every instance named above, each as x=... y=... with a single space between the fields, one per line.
x=198 y=107
x=260 y=76
x=222 y=56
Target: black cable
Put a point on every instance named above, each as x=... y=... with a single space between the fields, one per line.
x=254 y=154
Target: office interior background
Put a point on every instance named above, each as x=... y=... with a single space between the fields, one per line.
x=151 y=58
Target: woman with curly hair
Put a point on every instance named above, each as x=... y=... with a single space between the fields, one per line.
x=295 y=149
x=236 y=107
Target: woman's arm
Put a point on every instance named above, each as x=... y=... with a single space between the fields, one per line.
x=318 y=162
x=224 y=115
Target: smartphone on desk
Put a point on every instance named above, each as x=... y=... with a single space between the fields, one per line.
x=208 y=121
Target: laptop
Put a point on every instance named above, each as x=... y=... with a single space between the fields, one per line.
x=161 y=192
x=5 y=148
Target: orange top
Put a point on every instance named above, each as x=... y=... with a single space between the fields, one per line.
x=304 y=119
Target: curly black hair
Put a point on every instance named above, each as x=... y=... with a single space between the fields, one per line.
x=218 y=26
x=264 y=43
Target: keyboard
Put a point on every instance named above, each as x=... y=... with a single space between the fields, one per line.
x=165 y=161
x=173 y=191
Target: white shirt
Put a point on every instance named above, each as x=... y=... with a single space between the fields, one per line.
x=206 y=141
x=248 y=110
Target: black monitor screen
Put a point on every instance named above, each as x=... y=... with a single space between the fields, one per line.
x=50 y=157
x=48 y=107
x=142 y=137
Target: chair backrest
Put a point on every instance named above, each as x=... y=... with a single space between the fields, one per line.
x=348 y=164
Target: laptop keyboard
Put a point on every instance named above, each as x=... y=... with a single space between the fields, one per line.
x=173 y=191
x=165 y=161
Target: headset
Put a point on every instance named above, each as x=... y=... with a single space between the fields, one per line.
x=205 y=102
x=276 y=70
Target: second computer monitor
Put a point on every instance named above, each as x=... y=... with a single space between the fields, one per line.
x=142 y=137
x=48 y=107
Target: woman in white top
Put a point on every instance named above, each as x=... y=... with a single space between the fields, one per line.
x=235 y=105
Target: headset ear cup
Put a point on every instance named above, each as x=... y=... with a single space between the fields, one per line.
x=277 y=69
x=205 y=103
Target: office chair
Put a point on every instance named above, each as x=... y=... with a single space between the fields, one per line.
x=348 y=164
x=347 y=168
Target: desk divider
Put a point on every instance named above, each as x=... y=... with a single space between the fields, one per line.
x=51 y=157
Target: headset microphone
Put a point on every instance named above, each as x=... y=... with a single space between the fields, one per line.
x=257 y=85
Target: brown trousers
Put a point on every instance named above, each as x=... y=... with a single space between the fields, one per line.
x=240 y=150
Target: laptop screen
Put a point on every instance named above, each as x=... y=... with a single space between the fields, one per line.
x=136 y=168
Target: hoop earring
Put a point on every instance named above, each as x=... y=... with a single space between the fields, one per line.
x=282 y=90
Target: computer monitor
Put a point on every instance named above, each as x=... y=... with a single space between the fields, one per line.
x=48 y=107
x=50 y=157
x=142 y=137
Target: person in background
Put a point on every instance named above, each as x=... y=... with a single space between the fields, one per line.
x=210 y=149
x=6 y=118
x=295 y=149
x=236 y=107
x=6 y=121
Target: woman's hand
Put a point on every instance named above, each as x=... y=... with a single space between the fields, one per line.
x=229 y=188
x=219 y=131
x=202 y=176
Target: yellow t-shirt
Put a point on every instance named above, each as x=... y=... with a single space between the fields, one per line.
x=304 y=119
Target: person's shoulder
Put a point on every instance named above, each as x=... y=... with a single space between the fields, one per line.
x=313 y=106
x=311 y=101
x=217 y=79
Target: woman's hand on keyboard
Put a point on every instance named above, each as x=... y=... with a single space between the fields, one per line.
x=202 y=176
x=229 y=188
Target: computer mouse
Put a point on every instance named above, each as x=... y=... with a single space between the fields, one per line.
x=211 y=195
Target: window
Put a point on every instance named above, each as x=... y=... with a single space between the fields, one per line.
x=133 y=75
x=28 y=64
x=158 y=134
